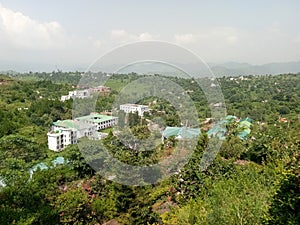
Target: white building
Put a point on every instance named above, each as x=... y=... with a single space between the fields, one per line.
x=64 y=98
x=66 y=132
x=60 y=138
x=76 y=94
x=103 y=90
x=100 y=121
x=132 y=108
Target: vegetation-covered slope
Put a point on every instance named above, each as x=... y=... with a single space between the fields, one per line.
x=253 y=181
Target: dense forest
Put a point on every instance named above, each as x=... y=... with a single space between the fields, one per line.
x=251 y=181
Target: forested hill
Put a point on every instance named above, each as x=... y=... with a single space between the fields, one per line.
x=54 y=76
x=251 y=181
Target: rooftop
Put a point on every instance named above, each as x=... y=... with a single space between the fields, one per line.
x=220 y=129
x=181 y=132
x=97 y=118
x=134 y=105
x=71 y=124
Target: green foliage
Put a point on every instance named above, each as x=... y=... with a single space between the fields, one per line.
x=77 y=162
x=285 y=205
x=240 y=199
x=24 y=202
x=19 y=147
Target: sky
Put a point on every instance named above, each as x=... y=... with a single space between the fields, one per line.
x=40 y=35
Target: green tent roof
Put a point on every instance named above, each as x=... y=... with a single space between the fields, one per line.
x=220 y=129
x=181 y=132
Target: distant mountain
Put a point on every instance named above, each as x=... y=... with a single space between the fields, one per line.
x=9 y=72
x=236 y=69
x=225 y=69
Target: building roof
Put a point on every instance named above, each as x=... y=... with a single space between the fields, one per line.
x=58 y=161
x=247 y=119
x=220 y=130
x=96 y=118
x=41 y=166
x=133 y=105
x=181 y=132
x=71 y=124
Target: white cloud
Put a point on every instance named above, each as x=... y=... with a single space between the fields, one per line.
x=227 y=34
x=185 y=38
x=146 y=36
x=297 y=39
x=232 y=39
x=21 y=31
x=97 y=43
x=122 y=36
x=274 y=28
x=118 y=33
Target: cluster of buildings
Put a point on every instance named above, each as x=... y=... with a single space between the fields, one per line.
x=66 y=132
x=220 y=128
x=85 y=93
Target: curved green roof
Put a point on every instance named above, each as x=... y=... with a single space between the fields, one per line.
x=181 y=132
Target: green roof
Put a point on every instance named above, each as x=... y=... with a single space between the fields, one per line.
x=247 y=119
x=58 y=161
x=96 y=118
x=41 y=166
x=245 y=124
x=71 y=124
x=220 y=129
x=181 y=132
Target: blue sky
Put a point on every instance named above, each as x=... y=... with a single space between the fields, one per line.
x=69 y=34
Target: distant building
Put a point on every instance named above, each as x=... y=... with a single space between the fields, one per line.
x=103 y=90
x=132 y=108
x=86 y=93
x=64 y=98
x=76 y=94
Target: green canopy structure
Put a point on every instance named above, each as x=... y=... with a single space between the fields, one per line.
x=220 y=130
x=42 y=166
x=181 y=132
x=245 y=126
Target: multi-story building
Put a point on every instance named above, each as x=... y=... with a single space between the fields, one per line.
x=66 y=132
x=60 y=138
x=100 y=121
x=132 y=108
x=82 y=129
